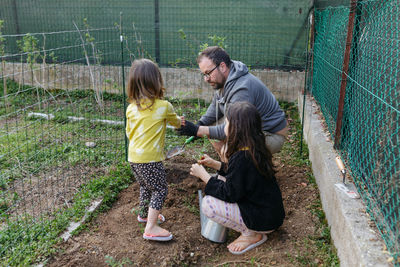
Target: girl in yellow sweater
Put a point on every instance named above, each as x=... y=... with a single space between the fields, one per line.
x=147 y=116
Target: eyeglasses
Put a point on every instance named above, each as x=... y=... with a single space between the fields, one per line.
x=207 y=75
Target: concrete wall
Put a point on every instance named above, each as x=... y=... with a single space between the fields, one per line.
x=188 y=83
x=68 y=77
x=357 y=241
x=179 y=83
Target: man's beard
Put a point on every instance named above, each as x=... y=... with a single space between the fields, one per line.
x=218 y=86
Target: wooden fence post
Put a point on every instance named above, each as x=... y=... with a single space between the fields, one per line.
x=345 y=69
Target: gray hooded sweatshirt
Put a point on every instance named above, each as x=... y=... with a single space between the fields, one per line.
x=244 y=86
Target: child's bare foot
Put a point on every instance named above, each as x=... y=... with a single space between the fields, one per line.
x=152 y=230
x=156 y=231
x=245 y=243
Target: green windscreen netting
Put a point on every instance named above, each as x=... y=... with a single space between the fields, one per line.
x=259 y=33
x=370 y=133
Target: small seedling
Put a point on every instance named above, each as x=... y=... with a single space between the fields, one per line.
x=115 y=263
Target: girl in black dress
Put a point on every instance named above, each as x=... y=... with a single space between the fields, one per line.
x=244 y=195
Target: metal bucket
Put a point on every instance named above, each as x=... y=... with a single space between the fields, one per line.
x=211 y=230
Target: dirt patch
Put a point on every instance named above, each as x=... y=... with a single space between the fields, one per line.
x=50 y=190
x=117 y=235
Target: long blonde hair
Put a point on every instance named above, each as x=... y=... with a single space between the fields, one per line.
x=145 y=82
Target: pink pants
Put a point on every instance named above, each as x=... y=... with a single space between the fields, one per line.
x=227 y=214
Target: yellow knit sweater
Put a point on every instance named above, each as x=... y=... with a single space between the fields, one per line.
x=145 y=130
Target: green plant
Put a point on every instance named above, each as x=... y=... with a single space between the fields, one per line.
x=3 y=205
x=61 y=118
x=190 y=204
x=205 y=146
x=115 y=263
x=136 y=211
x=320 y=247
x=195 y=48
x=94 y=67
x=216 y=41
x=29 y=46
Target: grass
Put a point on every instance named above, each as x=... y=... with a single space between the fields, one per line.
x=319 y=245
x=35 y=151
x=40 y=146
x=191 y=204
x=28 y=241
x=115 y=263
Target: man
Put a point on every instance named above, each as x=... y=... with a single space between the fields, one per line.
x=233 y=82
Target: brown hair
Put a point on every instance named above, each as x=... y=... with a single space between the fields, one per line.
x=216 y=54
x=244 y=132
x=145 y=82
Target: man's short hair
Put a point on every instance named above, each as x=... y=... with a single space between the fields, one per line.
x=216 y=54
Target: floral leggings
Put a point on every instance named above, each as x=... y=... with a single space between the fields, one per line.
x=227 y=214
x=153 y=185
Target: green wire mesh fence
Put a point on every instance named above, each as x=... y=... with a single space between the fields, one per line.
x=61 y=126
x=370 y=133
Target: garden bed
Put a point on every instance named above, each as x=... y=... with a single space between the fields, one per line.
x=115 y=238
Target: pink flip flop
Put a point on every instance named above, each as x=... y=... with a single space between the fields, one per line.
x=263 y=239
x=157 y=237
x=160 y=220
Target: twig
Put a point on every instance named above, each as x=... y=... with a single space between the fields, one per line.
x=234 y=262
x=42 y=86
x=88 y=63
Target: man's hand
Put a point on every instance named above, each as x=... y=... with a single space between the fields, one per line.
x=189 y=129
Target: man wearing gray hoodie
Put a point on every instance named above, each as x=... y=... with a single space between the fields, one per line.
x=233 y=82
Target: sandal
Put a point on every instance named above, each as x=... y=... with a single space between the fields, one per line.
x=157 y=237
x=249 y=247
x=160 y=220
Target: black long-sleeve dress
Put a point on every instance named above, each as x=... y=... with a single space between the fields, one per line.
x=259 y=198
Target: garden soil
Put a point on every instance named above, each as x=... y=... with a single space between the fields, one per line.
x=115 y=238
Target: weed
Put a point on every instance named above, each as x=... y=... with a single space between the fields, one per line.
x=115 y=263
x=320 y=247
x=191 y=205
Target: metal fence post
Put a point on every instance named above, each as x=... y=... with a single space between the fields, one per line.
x=157 y=31
x=121 y=38
x=14 y=6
